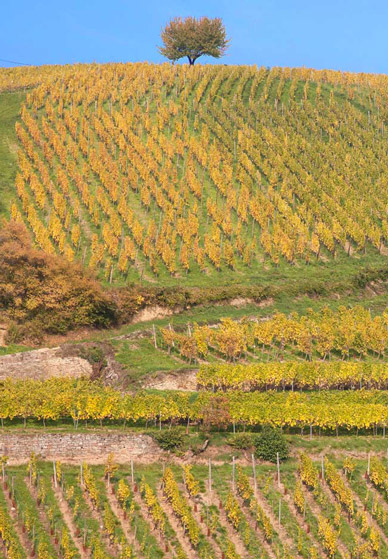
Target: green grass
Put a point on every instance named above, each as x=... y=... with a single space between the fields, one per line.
x=139 y=357
x=13 y=348
x=10 y=104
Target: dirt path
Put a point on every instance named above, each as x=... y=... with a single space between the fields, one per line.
x=148 y=518
x=316 y=509
x=42 y=516
x=302 y=522
x=360 y=506
x=125 y=525
x=3 y=549
x=180 y=534
x=248 y=517
x=233 y=536
x=68 y=519
x=380 y=499
x=197 y=515
x=13 y=512
x=282 y=532
x=96 y=514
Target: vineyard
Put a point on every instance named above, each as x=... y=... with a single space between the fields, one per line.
x=144 y=171
x=82 y=402
x=323 y=335
x=331 y=508
x=236 y=219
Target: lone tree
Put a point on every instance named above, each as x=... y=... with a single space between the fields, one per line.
x=193 y=38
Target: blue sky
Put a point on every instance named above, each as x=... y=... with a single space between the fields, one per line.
x=341 y=34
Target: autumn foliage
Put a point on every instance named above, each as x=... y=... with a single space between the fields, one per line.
x=142 y=170
x=193 y=38
x=43 y=293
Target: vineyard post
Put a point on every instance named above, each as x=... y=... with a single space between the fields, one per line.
x=82 y=473
x=280 y=512
x=210 y=479
x=132 y=476
x=278 y=466
x=3 y=469
x=233 y=474
x=13 y=487
x=387 y=455
x=55 y=475
x=254 y=474
x=154 y=334
x=170 y=328
x=323 y=467
x=368 y=471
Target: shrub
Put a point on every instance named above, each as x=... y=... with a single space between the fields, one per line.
x=243 y=441
x=171 y=439
x=45 y=293
x=269 y=443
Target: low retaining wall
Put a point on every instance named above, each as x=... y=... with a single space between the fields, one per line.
x=76 y=447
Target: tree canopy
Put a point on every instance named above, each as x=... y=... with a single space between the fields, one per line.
x=193 y=38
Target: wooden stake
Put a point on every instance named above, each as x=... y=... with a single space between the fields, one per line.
x=55 y=474
x=278 y=465
x=233 y=474
x=132 y=476
x=254 y=474
x=280 y=512
x=154 y=335
x=210 y=479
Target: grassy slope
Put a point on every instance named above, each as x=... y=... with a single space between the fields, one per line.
x=298 y=287
x=10 y=104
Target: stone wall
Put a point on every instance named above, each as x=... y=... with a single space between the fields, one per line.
x=76 y=447
x=43 y=363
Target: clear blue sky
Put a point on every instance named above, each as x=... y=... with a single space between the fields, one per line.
x=339 y=34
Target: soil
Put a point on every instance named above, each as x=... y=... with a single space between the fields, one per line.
x=316 y=510
x=360 y=507
x=252 y=524
x=179 y=380
x=125 y=525
x=151 y=523
x=301 y=522
x=13 y=512
x=181 y=536
x=68 y=519
x=153 y=313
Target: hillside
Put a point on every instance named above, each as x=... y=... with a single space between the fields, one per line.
x=167 y=174
x=200 y=255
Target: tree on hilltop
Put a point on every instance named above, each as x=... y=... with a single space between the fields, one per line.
x=193 y=38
